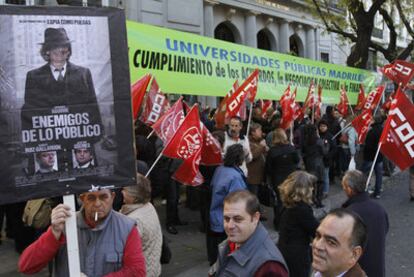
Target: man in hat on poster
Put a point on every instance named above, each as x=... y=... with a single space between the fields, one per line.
x=60 y=96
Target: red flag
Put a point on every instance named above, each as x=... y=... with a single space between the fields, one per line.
x=397 y=138
x=399 y=71
x=265 y=105
x=310 y=97
x=361 y=124
x=155 y=105
x=236 y=100
x=253 y=90
x=288 y=111
x=186 y=144
x=211 y=152
x=318 y=104
x=373 y=98
x=285 y=96
x=220 y=115
x=361 y=98
x=138 y=90
x=387 y=104
x=343 y=103
x=168 y=123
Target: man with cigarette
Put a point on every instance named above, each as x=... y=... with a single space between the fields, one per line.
x=109 y=243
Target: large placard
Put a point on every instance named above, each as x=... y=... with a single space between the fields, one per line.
x=185 y=63
x=66 y=120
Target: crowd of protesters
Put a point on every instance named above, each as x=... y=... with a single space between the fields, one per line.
x=290 y=170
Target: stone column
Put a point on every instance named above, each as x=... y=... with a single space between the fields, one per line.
x=250 y=29
x=317 y=40
x=209 y=18
x=310 y=43
x=284 y=46
x=209 y=32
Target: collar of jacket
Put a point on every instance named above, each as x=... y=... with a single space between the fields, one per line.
x=244 y=253
x=357 y=198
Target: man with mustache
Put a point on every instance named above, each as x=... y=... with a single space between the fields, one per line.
x=233 y=136
x=109 y=243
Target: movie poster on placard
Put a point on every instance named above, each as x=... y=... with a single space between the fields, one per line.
x=65 y=111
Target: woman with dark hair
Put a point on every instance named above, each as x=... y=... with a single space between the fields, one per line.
x=297 y=222
x=281 y=160
x=313 y=150
x=138 y=207
x=227 y=178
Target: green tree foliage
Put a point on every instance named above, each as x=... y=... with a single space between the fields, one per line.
x=354 y=20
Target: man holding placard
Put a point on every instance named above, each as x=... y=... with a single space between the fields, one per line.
x=108 y=241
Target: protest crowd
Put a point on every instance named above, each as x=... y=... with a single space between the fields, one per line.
x=231 y=161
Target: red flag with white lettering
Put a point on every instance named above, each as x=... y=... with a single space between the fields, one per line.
x=399 y=71
x=220 y=115
x=387 y=104
x=397 y=139
x=288 y=112
x=211 y=152
x=361 y=98
x=265 y=105
x=168 y=123
x=156 y=105
x=236 y=100
x=361 y=124
x=285 y=96
x=253 y=90
x=138 y=90
x=310 y=97
x=373 y=98
x=343 y=103
x=186 y=144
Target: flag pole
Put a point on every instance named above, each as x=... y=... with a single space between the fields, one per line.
x=153 y=165
x=352 y=111
x=372 y=167
x=291 y=131
x=250 y=118
x=343 y=129
x=150 y=134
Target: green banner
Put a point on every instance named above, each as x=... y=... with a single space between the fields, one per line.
x=185 y=63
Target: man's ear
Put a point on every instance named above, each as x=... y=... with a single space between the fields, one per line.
x=357 y=253
x=112 y=195
x=256 y=217
x=82 y=197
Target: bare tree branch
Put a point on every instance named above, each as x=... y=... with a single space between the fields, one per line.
x=390 y=24
x=404 y=18
x=407 y=51
x=376 y=5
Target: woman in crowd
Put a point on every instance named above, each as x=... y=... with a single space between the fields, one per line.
x=313 y=150
x=227 y=178
x=138 y=207
x=297 y=222
x=282 y=159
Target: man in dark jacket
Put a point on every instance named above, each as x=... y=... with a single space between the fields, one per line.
x=374 y=216
x=248 y=250
x=60 y=95
x=370 y=149
x=326 y=136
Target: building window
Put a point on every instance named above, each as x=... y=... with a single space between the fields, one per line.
x=16 y=2
x=223 y=32
x=263 y=41
x=294 y=48
x=325 y=57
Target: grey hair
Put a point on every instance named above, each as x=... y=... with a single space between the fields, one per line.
x=356 y=180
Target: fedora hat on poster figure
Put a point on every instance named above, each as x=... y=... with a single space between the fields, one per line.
x=55 y=37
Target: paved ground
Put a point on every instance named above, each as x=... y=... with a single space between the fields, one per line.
x=188 y=247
